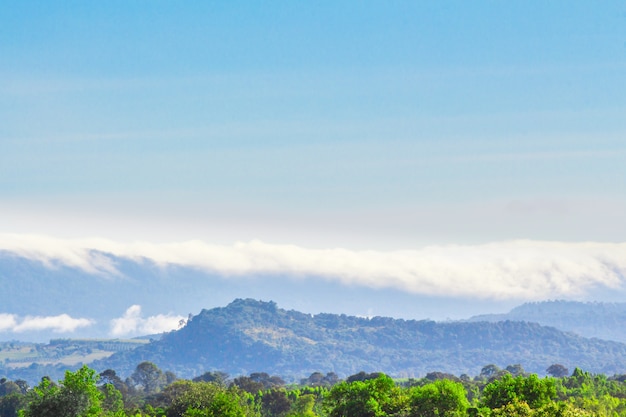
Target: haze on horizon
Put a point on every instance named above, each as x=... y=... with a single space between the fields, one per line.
x=469 y=152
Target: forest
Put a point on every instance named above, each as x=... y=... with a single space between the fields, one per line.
x=152 y=392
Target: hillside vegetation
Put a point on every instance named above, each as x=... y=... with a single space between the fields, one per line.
x=249 y=336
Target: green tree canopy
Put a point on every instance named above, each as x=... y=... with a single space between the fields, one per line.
x=442 y=398
x=149 y=377
x=10 y=404
x=371 y=398
x=533 y=391
x=557 y=370
x=206 y=399
x=75 y=396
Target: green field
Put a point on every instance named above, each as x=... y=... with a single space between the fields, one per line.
x=63 y=351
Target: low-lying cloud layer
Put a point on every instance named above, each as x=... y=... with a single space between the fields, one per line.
x=132 y=323
x=62 y=323
x=520 y=269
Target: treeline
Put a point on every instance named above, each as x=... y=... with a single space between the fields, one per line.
x=150 y=392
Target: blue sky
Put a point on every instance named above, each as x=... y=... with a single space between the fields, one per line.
x=384 y=126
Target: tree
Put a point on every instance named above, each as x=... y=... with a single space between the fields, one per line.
x=303 y=406
x=557 y=370
x=166 y=397
x=149 y=377
x=8 y=387
x=248 y=384
x=434 y=376
x=515 y=370
x=318 y=379
x=267 y=380
x=10 y=404
x=205 y=399
x=580 y=379
x=562 y=409
x=515 y=408
x=314 y=380
x=533 y=391
x=170 y=377
x=442 y=398
x=75 y=396
x=489 y=371
x=217 y=377
x=23 y=385
x=110 y=377
x=274 y=403
x=363 y=376
x=112 y=399
x=371 y=398
x=331 y=379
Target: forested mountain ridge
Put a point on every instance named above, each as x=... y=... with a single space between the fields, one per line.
x=602 y=320
x=248 y=336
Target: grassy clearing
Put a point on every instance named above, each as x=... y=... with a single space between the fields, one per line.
x=63 y=351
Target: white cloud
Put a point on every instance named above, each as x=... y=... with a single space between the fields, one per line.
x=53 y=251
x=7 y=322
x=128 y=323
x=131 y=323
x=62 y=323
x=161 y=323
x=521 y=269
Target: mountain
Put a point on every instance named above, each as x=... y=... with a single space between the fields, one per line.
x=32 y=287
x=255 y=336
x=602 y=320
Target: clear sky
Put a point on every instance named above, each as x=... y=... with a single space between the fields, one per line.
x=356 y=124
x=328 y=123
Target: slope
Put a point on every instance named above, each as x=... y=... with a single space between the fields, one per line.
x=602 y=320
x=249 y=336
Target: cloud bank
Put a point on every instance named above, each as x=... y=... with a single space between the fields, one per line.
x=520 y=269
x=62 y=323
x=131 y=323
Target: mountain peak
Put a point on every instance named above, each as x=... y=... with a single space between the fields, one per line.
x=252 y=303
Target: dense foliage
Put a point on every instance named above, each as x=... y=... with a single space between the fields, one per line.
x=150 y=392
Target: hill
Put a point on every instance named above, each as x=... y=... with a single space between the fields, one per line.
x=249 y=336
x=36 y=288
x=602 y=320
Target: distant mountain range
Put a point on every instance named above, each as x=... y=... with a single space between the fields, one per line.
x=252 y=336
x=34 y=288
x=249 y=336
x=602 y=320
